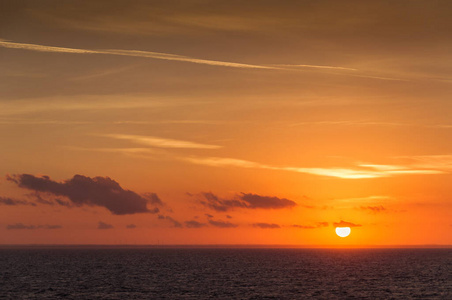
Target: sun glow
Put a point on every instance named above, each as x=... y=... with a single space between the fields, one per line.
x=343 y=231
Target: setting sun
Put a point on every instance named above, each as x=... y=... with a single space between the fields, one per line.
x=343 y=231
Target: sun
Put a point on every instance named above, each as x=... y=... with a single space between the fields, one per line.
x=343 y=231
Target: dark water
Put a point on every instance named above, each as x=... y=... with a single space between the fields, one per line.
x=156 y=273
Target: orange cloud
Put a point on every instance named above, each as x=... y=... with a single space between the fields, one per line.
x=345 y=224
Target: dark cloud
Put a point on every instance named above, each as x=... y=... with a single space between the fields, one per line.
x=222 y=224
x=194 y=224
x=257 y=201
x=317 y=225
x=208 y=215
x=11 y=201
x=228 y=216
x=244 y=200
x=345 y=224
x=153 y=198
x=20 y=226
x=322 y=224
x=37 y=197
x=83 y=190
x=50 y=226
x=131 y=226
x=63 y=203
x=102 y=225
x=215 y=203
x=23 y=226
x=266 y=225
x=174 y=222
x=374 y=209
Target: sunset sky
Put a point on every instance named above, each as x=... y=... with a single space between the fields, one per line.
x=226 y=122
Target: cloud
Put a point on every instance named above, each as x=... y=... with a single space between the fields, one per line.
x=213 y=202
x=194 y=224
x=175 y=223
x=161 y=142
x=345 y=224
x=304 y=226
x=153 y=198
x=320 y=67
x=37 y=197
x=50 y=226
x=20 y=226
x=12 y=202
x=322 y=224
x=23 y=226
x=317 y=225
x=439 y=162
x=131 y=226
x=265 y=202
x=228 y=216
x=266 y=225
x=130 y=53
x=208 y=215
x=222 y=224
x=358 y=172
x=245 y=200
x=102 y=225
x=83 y=190
x=368 y=199
x=374 y=209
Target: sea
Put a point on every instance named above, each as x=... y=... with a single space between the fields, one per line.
x=224 y=273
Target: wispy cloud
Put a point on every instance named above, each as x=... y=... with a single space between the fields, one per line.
x=130 y=53
x=440 y=162
x=317 y=225
x=368 y=199
x=76 y=103
x=436 y=165
x=353 y=123
x=361 y=171
x=319 y=67
x=334 y=70
x=161 y=142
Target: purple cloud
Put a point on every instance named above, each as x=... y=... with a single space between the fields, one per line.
x=102 y=225
x=194 y=224
x=11 y=201
x=244 y=200
x=83 y=190
x=266 y=225
x=345 y=224
x=222 y=224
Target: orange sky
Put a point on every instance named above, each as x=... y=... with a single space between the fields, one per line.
x=200 y=122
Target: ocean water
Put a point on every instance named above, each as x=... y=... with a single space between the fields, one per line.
x=225 y=273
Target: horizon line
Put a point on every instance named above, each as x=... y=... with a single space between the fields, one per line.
x=275 y=246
